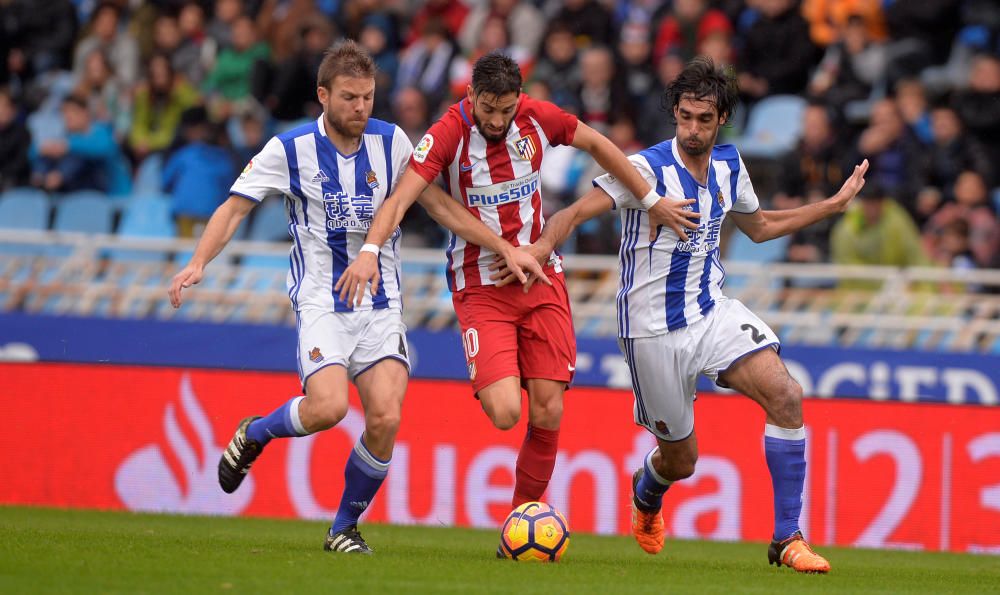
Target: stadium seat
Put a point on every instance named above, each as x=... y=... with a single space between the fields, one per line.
x=773 y=127
x=147 y=217
x=743 y=249
x=269 y=223
x=83 y=212
x=23 y=209
x=149 y=177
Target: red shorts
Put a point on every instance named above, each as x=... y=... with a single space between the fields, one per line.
x=506 y=332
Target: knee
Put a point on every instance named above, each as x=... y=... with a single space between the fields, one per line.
x=382 y=424
x=681 y=467
x=324 y=414
x=505 y=418
x=787 y=408
x=547 y=414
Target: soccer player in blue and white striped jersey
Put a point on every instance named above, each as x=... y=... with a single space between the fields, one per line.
x=333 y=175
x=675 y=323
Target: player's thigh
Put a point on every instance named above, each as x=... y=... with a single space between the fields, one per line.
x=740 y=351
x=489 y=340
x=381 y=336
x=664 y=374
x=546 y=342
x=326 y=400
x=382 y=388
x=325 y=343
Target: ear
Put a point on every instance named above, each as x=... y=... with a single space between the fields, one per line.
x=470 y=94
x=322 y=94
x=723 y=119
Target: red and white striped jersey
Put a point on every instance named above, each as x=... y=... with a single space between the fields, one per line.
x=497 y=182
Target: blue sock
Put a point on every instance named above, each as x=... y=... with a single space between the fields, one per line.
x=651 y=487
x=785 y=451
x=283 y=422
x=363 y=476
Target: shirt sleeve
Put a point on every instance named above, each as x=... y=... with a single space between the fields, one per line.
x=265 y=175
x=559 y=126
x=746 y=200
x=621 y=195
x=435 y=150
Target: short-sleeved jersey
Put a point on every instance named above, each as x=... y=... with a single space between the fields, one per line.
x=330 y=200
x=497 y=182
x=668 y=284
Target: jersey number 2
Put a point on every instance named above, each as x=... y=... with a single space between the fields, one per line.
x=755 y=334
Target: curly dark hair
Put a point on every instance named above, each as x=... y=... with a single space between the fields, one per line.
x=702 y=80
x=497 y=74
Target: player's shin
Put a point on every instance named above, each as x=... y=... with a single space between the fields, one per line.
x=283 y=422
x=363 y=476
x=651 y=486
x=785 y=450
x=535 y=462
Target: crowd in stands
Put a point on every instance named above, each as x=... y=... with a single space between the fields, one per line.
x=90 y=90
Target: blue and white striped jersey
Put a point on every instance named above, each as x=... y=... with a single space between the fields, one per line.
x=668 y=284
x=331 y=200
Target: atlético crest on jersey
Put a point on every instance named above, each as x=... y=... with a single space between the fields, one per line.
x=525 y=148
x=722 y=201
x=372 y=181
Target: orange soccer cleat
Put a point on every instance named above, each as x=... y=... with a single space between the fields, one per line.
x=795 y=553
x=647 y=527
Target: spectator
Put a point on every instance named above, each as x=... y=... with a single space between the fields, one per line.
x=637 y=67
x=198 y=175
x=589 y=20
x=971 y=205
x=952 y=248
x=14 y=143
x=292 y=94
x=35 y=38
x=106 y=34
x=524 y=22
x=810 y=245
x=184 y=53
x=108 y=99
x=924 y=30
x=559 y=67
x=250 y=136
x=426 y=63
x=88 y=158
x=494 y=36
x=896 y=156
x=229 y=82
x=410 y=113
x=817 y=161
x=690 y=22
x=159 y=101
x=851 y=66
x=978 y=107
x=449 y=15
x=829 y=18
x=378 y=36
x=911 y=98
x=952 y=152
x=280 y=22
x=601 y=95
x=777 y=53
x=224 y=16
x=655 y=123
x=875 y=230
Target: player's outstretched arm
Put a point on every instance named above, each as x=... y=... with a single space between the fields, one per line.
x=218 y=232
x=351 y=284
x=762 y=226
x=557 y=229
x=448 y=213
x=669 y=212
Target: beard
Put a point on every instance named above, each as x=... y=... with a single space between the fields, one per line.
x=490 y=137
x=344 y=127
x=696 y=147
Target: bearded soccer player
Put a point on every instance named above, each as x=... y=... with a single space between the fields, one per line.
x=488 y=150
x=334 y=175
x=674 y=322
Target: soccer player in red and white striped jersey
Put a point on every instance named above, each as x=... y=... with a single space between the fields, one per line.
x=488 y=151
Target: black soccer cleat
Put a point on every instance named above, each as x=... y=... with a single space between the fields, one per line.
x=348 y=541
x=238 y=457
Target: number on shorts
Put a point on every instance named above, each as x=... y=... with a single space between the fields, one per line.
x=470 y=341
x=755 y=334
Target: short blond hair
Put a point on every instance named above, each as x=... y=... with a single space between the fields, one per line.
x=346 y=58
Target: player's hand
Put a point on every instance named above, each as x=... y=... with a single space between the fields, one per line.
x=672 y=213
x=189 y=275
x=851 y=187
x=351 y=284
x=504 y=275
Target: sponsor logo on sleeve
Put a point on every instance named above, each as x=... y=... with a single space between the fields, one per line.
x=246 y=170
x=423 y=148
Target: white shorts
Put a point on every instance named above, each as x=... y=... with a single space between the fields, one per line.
x=665 y=368
x=355 y=340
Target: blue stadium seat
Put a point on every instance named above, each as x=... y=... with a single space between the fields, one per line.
x=773 y=127
x=743 y=249
x=146 y=217
x=84 y=212
x=270 y=223
x=23 y=209
x=149 y=176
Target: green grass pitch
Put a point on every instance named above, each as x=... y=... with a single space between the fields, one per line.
x=46 y=550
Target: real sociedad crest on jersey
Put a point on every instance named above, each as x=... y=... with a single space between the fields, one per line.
x=525 y=148
x=372 y=180
x=722 y=201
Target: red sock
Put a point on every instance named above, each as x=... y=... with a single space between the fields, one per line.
x=534 y=464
